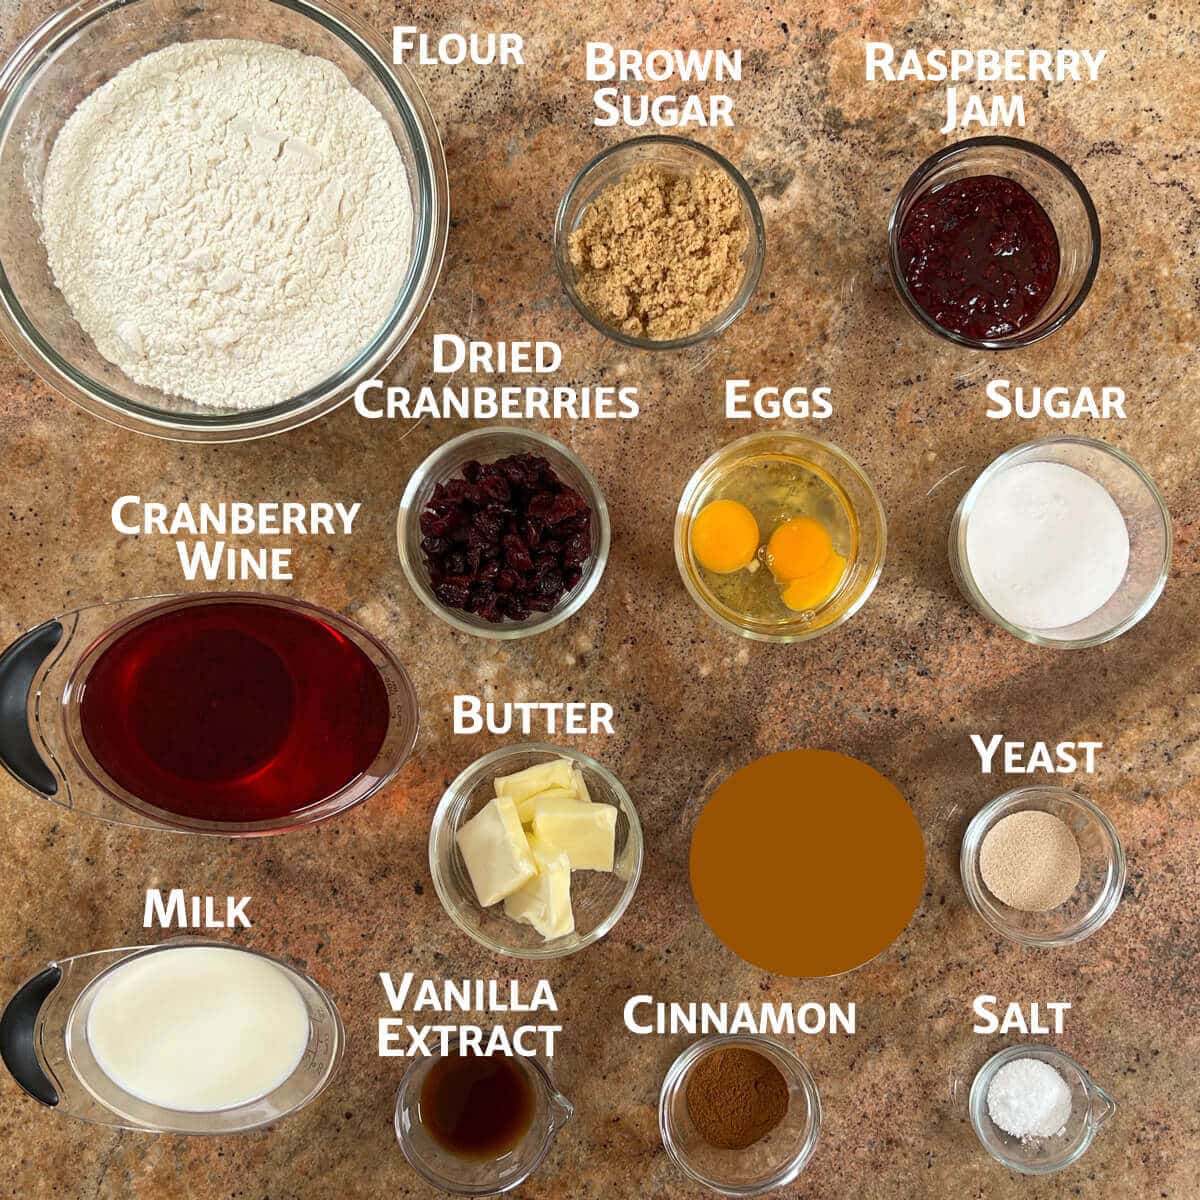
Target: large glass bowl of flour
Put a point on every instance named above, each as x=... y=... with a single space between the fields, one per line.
x=236 y=261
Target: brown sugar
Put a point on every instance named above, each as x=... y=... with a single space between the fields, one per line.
x=735 y=1097
x=659 y=255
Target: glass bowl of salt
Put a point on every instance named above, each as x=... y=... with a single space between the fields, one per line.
x=1028 y=1100
x=1023 y=852
x=1063 y=542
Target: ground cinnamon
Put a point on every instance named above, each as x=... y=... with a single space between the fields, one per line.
x=735 y=1097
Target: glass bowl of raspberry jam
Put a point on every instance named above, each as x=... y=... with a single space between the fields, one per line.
x=993 y=243
x=430 y=554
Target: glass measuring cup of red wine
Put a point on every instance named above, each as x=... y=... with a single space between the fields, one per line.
x=231 y=713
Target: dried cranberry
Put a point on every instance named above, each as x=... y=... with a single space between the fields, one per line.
x=452 y=594
x=516 y=553
x=495 y=487
x=471 y=471
x=436 y=524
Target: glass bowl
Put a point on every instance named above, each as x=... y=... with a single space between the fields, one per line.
x=1101 y=857
x=71 y=55
x=599 y=899
x=1146 y=518
x=770 y=1163
x=482 y=1177
x=488 y=445
x=1091 y=1107
x=679 y=156
x=1055 y=187
x=864 y=565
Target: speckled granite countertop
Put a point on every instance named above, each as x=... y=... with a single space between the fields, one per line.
x=901 y=686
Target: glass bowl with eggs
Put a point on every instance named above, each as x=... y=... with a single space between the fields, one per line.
x=535 y=851
x=780 y=537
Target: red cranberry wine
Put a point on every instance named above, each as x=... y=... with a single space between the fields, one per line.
x=980 y=256
x=234 y=712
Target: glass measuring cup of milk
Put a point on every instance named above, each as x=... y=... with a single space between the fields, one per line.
x=192 y=1036
x=230 y=713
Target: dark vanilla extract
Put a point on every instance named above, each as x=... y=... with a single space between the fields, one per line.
x=234 y=712
x=477 y=1107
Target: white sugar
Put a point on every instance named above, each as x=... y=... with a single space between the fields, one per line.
x=1047 y=545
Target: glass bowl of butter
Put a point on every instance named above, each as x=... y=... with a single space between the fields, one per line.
x=535 y=851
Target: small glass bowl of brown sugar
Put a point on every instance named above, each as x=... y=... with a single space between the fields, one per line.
x=1043 y=866
x=659 y=243
x=739 y=1114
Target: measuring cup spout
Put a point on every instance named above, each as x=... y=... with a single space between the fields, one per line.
x=1104 y=1106
x=561 y=1110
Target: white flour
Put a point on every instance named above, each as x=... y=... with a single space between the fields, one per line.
x=228 y=220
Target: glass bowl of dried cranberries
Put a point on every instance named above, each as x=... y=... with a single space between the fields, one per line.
x=503 y=532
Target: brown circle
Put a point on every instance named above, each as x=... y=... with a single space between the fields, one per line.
x=807 y=863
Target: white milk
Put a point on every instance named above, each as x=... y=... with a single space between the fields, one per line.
x=198 y=1028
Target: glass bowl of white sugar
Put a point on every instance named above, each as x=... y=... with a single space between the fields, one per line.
x=217 y=217
x=1063 y=542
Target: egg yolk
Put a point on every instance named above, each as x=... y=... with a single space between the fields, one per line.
x=724 y=536
x=809 y=591
x=798 y=548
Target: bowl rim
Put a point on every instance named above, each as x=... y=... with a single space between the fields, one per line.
x=976 y=889
x=683 y=511
x=914 y=187
x=960 y=567
x=431 y=220
x=472 y=774
x=677 y=1074
x=408 y=513
x=757 y=234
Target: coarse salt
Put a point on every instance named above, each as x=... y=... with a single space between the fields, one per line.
x=1029 y=1099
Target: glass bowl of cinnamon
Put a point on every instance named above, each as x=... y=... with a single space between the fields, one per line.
x=739 y=1114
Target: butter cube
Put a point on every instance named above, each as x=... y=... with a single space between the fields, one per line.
x=539 y=777
x=586 y=832
x=496 y=851
x=545 y=901
x=525 y=807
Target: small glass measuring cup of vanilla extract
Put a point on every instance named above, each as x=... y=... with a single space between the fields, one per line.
x=477 y=1125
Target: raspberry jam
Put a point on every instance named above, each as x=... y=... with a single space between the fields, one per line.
x=980 y=256
x=233 y=712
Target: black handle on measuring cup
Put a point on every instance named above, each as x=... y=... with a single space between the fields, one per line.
x=18 y=666
x=17 y=1028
